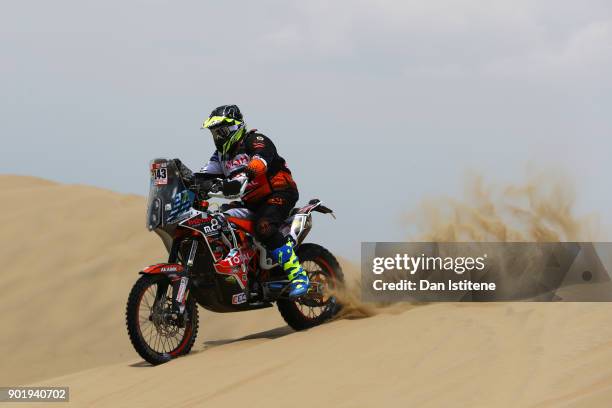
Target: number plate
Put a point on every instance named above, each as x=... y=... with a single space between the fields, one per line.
x=159 y=172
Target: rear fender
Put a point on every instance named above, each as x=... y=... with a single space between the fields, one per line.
x=301 y=221
x=171 y=270
x=314 y=205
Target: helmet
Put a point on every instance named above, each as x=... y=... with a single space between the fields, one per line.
x=226 y=125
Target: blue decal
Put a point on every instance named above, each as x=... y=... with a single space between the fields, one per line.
x=181 y=202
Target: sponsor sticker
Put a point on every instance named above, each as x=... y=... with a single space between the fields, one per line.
x=181 y=291
x=238 y=298
x=212 y=229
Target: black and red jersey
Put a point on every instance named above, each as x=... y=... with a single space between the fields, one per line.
x=256 y=157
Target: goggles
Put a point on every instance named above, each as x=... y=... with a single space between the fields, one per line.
x=222 y=133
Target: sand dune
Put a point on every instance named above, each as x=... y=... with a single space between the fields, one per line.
x=487 y=355
x=71 y=253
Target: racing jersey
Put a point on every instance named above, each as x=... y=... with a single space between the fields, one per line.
x=256 y=157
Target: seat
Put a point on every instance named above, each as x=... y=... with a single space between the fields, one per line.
x=241 y=218
x=239 y=212
x=242 y=223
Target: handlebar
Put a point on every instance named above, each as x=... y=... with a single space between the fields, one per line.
x=219 y=195
x=216 y=191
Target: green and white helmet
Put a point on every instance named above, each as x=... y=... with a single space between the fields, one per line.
x=226 y=125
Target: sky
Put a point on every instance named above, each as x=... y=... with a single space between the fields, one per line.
x=375 y=105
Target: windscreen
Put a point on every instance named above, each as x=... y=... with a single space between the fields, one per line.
x=169 y=199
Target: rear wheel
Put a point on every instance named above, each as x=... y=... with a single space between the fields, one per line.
x=155 y=333
x=319 y=304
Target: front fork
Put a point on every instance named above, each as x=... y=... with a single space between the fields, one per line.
x=180 y=285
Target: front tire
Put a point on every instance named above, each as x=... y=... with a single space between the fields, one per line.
x=154 y=335
x=316 y=306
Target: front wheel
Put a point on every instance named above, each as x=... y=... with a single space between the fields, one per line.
x=155 y=332
x=318 y=304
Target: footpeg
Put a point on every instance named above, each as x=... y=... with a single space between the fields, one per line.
x=276 y=286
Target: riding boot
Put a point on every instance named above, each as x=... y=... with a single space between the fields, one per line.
x=298 y=279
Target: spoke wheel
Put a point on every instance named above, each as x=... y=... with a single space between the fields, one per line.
x=157 y=333
x=317 y=305
x=317 y=299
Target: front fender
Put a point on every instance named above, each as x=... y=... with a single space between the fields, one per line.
x=172 y=270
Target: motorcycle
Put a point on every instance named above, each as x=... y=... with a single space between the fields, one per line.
x=215 y=261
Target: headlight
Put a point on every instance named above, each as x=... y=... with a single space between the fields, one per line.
x=154 y=215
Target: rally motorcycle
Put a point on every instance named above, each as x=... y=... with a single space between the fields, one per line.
x=216 y=262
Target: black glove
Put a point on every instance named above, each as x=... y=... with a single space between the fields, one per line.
x=203 y=181
x=202 y=185
x=231 y=187
x=233 y=204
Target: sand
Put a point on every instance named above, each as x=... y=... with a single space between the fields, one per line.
x=70 y=254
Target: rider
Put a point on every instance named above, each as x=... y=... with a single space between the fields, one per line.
x=248 y=162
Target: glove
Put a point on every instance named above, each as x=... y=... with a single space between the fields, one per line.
x=204 y=185
x=231 y=187
x=203 y=181
x=231 y=205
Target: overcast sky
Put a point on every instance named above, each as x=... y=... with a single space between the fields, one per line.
x=374 y=104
